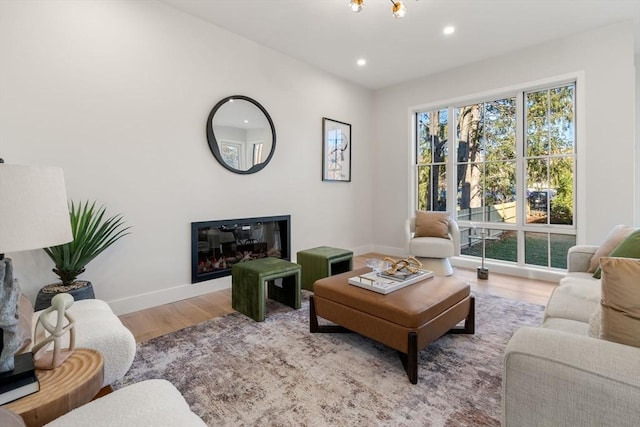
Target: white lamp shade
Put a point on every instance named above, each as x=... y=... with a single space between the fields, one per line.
x=34 y=213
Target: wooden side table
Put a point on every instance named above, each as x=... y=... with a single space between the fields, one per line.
x=72 y=384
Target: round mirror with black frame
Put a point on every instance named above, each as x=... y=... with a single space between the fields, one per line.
x=241 y=134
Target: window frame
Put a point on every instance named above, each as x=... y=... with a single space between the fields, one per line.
x=520 y=227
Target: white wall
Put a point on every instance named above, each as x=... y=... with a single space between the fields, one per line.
x=637 y=122
x=117 y=93
x=606 y=185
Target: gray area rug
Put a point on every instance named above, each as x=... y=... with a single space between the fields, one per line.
x=234 y=371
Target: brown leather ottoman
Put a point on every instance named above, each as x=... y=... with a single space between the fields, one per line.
x=406 y=320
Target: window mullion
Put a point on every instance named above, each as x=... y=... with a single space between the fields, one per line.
x=521 y=181
x=452 y=170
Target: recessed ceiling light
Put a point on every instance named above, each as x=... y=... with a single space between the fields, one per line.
x=449 y=29
x=361 y=62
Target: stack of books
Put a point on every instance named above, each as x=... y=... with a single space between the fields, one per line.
x=384 y=283
x=19 y=382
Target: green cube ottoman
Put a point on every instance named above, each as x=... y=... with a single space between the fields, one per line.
x=321 y=262
x=250 y=278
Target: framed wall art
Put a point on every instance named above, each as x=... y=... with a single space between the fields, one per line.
x=336 y=150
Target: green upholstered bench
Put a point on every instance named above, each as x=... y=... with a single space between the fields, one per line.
x=321 y=262
x=250 y=278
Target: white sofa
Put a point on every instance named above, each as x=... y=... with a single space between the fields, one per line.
x=557 y=375
x=150 y=403
x=97 y=327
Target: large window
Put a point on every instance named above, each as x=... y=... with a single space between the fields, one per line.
x=512 y=170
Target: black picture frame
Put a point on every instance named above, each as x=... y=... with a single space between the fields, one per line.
x=336 y=150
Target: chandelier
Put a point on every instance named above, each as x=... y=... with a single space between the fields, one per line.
x=398 y=9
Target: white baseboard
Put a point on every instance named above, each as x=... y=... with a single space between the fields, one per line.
x=166 y=296
x=510 y=269
x=390 y=250
x=362 y=250
x=501 y=268
x=178 y=293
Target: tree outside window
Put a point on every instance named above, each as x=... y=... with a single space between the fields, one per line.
x=431 y=156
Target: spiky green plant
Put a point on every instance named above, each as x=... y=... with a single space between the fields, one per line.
x=92 y=234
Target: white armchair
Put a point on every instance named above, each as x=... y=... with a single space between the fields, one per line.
x=434 y=252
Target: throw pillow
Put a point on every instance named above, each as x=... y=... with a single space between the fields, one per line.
x=613 y=239
x=432 y=224
x=628 y=248
x=620 y=300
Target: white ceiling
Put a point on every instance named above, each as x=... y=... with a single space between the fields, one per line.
x=326 y=34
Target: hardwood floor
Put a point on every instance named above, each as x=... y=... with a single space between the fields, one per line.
x=156 y=321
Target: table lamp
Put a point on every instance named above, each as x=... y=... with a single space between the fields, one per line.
x=33 y=215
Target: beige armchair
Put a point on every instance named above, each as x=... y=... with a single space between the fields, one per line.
x=434 y=252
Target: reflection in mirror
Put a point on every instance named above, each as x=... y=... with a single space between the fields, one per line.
x=241 y=134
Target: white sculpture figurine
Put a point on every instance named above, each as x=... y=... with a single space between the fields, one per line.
x=44 y=359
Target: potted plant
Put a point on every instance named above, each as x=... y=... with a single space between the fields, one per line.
x=92 y=234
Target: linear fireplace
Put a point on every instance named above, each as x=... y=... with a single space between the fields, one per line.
x=217 y=245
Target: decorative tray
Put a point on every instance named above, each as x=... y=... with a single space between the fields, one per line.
x=384 y=283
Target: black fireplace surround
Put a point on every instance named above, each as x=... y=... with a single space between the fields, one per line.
x=217 y=245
